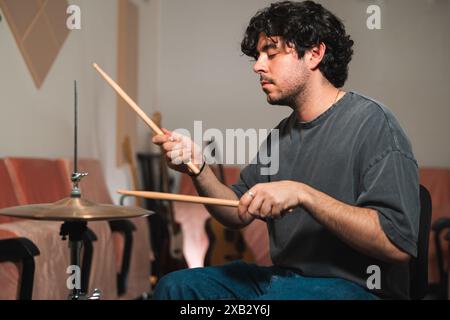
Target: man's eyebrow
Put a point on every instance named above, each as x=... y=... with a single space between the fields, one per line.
x=268 y=46
x=265 y=48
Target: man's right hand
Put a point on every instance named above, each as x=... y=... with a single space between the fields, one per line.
x=179 y=150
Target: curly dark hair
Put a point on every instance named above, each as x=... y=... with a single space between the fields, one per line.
x=304 y=25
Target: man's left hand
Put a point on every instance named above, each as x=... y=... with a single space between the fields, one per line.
x=271 y=200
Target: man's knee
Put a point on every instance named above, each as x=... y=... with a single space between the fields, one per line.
x=175 y=286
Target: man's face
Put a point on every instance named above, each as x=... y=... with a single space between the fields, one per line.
x=283 y=76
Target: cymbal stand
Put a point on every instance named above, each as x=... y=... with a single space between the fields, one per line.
x=76 y=229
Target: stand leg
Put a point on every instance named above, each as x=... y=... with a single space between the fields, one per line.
x=75 y=252
x=75 y=232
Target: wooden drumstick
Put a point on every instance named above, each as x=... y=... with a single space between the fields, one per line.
x=181 y=198
x=137 y=109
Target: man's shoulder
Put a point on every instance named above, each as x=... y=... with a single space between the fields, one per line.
x=364 y=109
x=379 y=120
x=364 y=106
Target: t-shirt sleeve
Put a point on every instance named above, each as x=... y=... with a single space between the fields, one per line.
x=390 y=185
x=259 y=170
x=249 y=177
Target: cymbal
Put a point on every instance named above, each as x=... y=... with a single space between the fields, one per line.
x=74 y=209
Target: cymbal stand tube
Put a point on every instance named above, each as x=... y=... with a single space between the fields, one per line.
x=76 y=176
x=75 y=231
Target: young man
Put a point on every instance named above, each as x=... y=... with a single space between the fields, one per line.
x=346 y=197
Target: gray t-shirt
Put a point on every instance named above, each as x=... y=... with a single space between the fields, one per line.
x=357 y=153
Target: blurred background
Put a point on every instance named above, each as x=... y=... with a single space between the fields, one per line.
x=182 y=58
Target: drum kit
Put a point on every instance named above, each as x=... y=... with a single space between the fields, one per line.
x=75 y=212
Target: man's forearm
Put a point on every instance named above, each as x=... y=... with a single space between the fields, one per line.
x=208 y=185
x=358 y=227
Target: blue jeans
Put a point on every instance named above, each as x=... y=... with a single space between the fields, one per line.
x=242 y=281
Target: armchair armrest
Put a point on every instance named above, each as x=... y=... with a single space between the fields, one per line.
x=21 y=250
x=439 y=226
x=122 y=199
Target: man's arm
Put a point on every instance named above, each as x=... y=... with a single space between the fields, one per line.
x=358 y=227
x=208 y=185
x=179 y=150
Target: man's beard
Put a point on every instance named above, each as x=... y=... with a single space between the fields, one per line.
x=289 y=98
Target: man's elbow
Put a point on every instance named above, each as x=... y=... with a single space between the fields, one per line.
x=398 y=256
x=403 y=257
x=392 y=252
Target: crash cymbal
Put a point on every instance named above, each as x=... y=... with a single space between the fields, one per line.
x=74 y=209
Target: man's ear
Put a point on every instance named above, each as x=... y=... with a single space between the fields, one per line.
x=314 y=56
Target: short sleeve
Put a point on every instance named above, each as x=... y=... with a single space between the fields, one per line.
x=257 y=171
x=390 y=185
x=249 y=177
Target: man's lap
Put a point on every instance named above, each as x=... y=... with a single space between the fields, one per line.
x=242 y=281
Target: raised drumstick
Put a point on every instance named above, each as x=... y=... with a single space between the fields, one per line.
x=181 y=198
x=137 y=109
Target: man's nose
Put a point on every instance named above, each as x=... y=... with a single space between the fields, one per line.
x=260 y=66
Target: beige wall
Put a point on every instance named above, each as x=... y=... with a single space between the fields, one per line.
x=148 y=67
x=39 y=123
x=405 y=65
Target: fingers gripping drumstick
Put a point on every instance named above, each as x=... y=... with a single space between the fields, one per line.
x=137 y=109
x=185 y=198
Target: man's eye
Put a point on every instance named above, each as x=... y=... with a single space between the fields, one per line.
x=271 y=56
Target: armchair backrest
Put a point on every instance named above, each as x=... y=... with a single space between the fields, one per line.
x=38 y=180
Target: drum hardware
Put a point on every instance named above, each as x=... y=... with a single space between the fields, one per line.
x=75 y=212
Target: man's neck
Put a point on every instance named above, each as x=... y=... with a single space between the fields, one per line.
x=316 y=100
